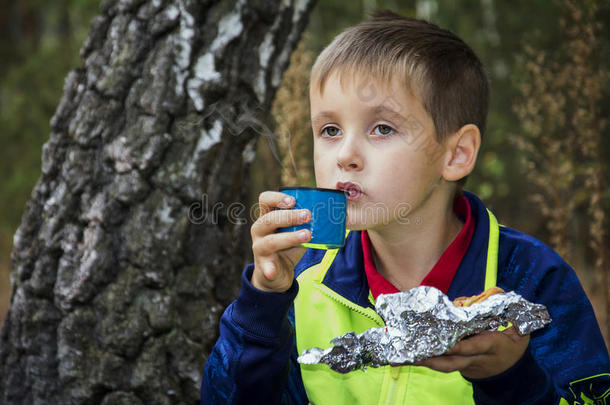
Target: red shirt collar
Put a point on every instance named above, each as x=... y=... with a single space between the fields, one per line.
x=443 y=271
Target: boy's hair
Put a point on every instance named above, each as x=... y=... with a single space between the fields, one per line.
x=433 y=63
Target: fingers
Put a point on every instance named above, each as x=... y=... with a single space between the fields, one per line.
x=478 y=344
x=267 y=276
x=484 y=355
x=275 y=254
x=447 y=363
x=272 y=220
x=275 y=242
x=264 y=250
x=283 y=262
x=464 y=353
x=487 y=341
x=270 y=270
x=269 y=200
x=275 y=272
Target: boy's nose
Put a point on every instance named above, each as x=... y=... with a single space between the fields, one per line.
x=349 y=156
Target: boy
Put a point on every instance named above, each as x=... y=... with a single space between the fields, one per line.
x=398 y=108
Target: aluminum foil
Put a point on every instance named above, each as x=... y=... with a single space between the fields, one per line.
x=423 y=323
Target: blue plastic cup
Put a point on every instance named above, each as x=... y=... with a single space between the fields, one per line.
x=328 y=209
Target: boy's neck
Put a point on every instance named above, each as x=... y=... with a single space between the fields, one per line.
x=405 y=253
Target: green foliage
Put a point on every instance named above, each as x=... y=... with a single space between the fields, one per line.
x=330 y=17
x=30 y=90
x=498 y=32
x=52 y=32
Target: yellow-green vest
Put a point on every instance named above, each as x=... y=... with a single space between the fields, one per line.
x=321 y=314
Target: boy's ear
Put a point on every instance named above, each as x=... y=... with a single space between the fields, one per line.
x=461 y=149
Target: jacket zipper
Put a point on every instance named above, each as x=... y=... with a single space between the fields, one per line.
x=393 y=386
x=354 y=307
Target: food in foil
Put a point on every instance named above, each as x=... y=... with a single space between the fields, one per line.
x=423 y=323
x=468 y=301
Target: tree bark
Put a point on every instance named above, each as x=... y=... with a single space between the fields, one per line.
x=134 y=239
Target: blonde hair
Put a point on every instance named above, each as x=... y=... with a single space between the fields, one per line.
x=433 y=63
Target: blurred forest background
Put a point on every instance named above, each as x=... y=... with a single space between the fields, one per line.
x=543 y=167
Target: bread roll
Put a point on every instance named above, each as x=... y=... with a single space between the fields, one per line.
x=468 y=301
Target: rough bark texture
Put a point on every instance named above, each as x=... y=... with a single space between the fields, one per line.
x=129 y=248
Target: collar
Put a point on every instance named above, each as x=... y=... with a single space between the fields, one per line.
x=347 y=277
x=443 y=272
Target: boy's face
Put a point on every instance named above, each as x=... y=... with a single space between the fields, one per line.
x=381 y=139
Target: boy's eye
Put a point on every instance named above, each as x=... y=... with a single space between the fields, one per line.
x=330 y=131
x=384 y=130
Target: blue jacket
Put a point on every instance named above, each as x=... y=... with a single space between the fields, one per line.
x=254 y=359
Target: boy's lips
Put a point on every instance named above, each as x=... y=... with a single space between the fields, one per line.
x=354 y=190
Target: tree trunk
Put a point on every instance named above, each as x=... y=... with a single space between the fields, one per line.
x=134 y=239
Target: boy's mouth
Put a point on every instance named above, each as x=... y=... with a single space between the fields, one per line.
x=354 y=191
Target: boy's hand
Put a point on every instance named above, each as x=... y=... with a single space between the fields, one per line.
x=276 y=254
x=484 y=355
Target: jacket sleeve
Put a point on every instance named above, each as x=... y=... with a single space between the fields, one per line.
x=524 y=383
x=253 y=360
x=567 y=360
